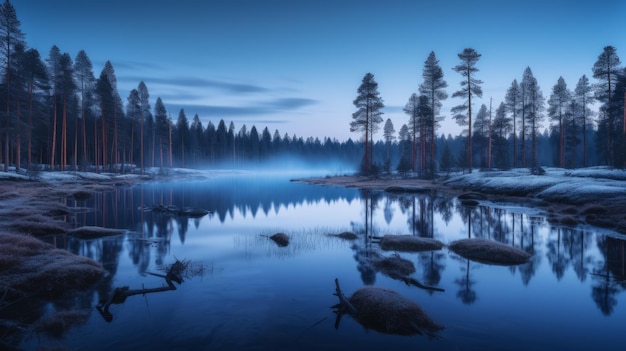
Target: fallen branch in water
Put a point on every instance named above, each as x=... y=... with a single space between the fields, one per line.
x=119 y=295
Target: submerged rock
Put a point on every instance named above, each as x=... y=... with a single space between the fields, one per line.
x=489 y=251
x=280 y=239
x=409 y=243
x=386 y=311
x=345 y=236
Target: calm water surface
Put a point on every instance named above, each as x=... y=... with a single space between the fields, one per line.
x=243 y=292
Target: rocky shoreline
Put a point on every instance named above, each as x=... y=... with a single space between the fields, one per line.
x=586 y=206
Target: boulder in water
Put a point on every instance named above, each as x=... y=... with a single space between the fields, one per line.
x=409 y=243
x=489 y=251
x=388 y=312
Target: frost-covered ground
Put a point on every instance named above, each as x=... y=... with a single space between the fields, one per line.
x=575 y=187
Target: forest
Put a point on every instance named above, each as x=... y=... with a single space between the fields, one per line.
x=57 y=115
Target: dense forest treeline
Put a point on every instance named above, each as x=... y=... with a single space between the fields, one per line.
x=56 y=113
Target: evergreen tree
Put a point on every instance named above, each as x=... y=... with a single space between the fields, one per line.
x=433 y=87
x=533 y=105
x=161 y=128
x=584 y=96
x=606 y=70
x=133 y=112
x=558 y=103
x=513 y=104
x=182 y=132
x=104 y=92
x=367 y=118
x=388 y=132
x=10 y=36
x=85 y=80
x=145 y=118
x=470 y=86
x=502 y=126
x=36 y=77
x=447 y=160
x=481 y=133
x=117 y=112
x=405 y=149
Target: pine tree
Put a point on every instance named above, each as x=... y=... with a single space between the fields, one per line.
x=161 y=127
x=533 y=105
x=388 y=132
x=83 y=74
x=133 y=112
x=36 y=77
x=502 y=126
x=558 y=103
x=512 y=103
x=117 y=111
x=182 y=131
x=433 y=87
x=481 y=133
x=10 y=36
x=106 y=100
x=470 y=86
x=367 y=118
x=146 y=115
x=583 y=95
x=606 y=70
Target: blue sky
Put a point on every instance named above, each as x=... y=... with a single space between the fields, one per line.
x=295 y=66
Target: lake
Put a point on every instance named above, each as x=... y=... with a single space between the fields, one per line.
x=242 y=291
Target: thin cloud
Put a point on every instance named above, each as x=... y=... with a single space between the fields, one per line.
x=194 y=82
x=263 y=108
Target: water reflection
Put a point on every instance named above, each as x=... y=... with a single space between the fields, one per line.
x=578 y=264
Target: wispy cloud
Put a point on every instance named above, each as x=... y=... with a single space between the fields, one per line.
x=196 y=82
x=250 y=110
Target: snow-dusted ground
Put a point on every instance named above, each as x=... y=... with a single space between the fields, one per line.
x=581 y=186
x=69 y=176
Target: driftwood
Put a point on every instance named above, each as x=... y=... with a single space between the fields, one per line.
x=119 y=295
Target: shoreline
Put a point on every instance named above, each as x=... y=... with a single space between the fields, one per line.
x=599 y=211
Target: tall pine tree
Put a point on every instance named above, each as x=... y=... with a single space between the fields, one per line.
x=470 y=87
x=367 y=118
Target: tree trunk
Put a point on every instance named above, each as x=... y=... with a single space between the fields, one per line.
x=54 y=132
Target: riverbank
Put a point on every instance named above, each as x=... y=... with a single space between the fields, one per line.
x=590 y=196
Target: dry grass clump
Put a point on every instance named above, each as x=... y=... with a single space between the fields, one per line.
x=489 y=251
x=39 y=225
x=409 y=243
x=386 y=311
x=34 y=267
x=89 y=232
